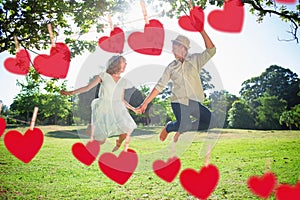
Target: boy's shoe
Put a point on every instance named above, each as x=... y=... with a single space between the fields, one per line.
x=163 y=134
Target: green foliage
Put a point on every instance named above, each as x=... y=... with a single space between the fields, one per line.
x=28 y=21
x=276 y=81
x=55 y=109
x=220 y=103
x=269 y=95
x=43 y=93
x=162 y=111
x=291 y=117
x=269 y=112
x=240 y=116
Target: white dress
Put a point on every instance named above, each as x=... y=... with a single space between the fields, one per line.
x=109 y=113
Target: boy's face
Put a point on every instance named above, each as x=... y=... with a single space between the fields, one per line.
x=177 y=50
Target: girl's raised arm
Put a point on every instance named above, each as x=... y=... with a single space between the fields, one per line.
x=83 y=89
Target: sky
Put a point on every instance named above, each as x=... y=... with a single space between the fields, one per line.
x=240 y=56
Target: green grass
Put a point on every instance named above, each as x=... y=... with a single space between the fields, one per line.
x=55 y=174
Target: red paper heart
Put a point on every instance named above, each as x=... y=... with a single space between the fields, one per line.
x=286 y=1
x=114 y=43
x=20 y=64
x=262 y=186
x=186 y=23
x=194 y=22
x=230 y=19
x=288 y=192
x=118 y=169
x=57 y=64
x=2 y=126
x=167 y=171
x=24 y=147
x=86 y=154
x=200 y=184
x=149 y=42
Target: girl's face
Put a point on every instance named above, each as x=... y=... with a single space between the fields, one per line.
x=122 y=65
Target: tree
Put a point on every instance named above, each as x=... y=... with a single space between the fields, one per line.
x=240 y=116
x=291 y=117
x=55 y=109
x=259 y=8
x=28 y=19
x=276 y=81
x=23 y=104
x=43 y=93
x=269 y=112
x=220 y=103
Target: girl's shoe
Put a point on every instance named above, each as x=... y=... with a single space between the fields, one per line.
x=118 y=144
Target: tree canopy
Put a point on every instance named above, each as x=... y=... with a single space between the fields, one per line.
x=240 y=116
x=44 y=94
x=276 y=81
x=28 y=19
x=269 y=112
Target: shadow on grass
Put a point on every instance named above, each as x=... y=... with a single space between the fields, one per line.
x=14 y=126
x=142 y=132
x=68 y=134
x=80 y=134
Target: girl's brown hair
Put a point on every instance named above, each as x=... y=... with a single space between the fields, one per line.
x=113 y=64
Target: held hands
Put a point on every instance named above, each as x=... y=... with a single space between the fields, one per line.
x=136 y=110
x=142 y=108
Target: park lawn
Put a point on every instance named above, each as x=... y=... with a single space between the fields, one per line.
x=54 y=173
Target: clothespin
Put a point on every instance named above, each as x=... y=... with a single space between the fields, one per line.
x=207 y=157
x=51 y=34
x=17 y=44
x=191 y=4
x=142 y=2
x=110 y=23
x=33 y=119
